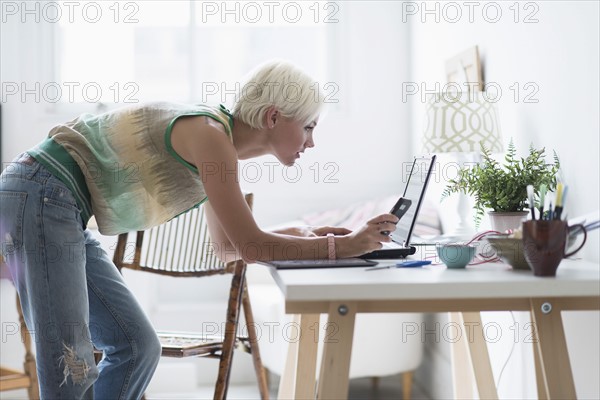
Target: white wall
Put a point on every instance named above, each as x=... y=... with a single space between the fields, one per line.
x=559 y=54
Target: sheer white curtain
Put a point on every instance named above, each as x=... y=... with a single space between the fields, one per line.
x=186 y=51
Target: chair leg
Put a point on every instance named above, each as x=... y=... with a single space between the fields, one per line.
x=231 y=325
x=261 y=375
x=407 y=378
x=268 y=378
x=375 y=383
x=33 y=391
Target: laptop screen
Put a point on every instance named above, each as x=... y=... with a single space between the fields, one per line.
x=416 y=185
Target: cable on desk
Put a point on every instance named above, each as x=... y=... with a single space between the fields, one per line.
x=509 y=354
x=481 y=259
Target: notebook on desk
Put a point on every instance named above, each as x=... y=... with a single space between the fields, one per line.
x=338 y=263
x=415 y=189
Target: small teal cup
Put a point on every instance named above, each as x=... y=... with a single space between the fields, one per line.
x=456 y=255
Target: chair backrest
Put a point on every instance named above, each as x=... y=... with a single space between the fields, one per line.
x=179 y=247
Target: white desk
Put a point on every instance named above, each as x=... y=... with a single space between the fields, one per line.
x=490 y=287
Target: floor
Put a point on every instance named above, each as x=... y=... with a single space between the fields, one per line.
x=360 y=389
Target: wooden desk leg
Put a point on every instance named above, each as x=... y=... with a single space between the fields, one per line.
x=298 y=379
x=480 y=358
x=462 y=372
x=337 y=349
x=539 y=371
x=549 y=336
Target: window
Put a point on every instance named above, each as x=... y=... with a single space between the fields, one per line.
x=186 y=51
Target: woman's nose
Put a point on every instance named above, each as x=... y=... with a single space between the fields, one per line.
x=309 y=142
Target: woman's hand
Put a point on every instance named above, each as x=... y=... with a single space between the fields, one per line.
x=311 y=231
x=368 y=238
x=324 y=230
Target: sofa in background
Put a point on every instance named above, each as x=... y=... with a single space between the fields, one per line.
x=381 y=345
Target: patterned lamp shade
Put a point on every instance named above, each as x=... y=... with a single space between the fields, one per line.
x=459 y=122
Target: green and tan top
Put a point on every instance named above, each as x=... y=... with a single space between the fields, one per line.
x=121 y=166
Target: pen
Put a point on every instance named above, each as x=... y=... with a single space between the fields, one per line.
x=543 y=189
x=530 y=197
x=559 y=208
x=413 y=263
x=550 y=211
x=403 y=264
x=557 y=202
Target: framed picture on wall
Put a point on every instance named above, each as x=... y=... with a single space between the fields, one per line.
x=465 y=67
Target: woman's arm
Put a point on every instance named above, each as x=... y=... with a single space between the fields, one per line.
x=311 y=231
x=212 y=152
x=217 y=235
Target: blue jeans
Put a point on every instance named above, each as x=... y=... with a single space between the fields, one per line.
x=72 y=295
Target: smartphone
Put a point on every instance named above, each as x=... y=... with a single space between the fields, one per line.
x=399 y=209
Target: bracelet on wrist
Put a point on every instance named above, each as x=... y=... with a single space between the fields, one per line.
x=331 y=246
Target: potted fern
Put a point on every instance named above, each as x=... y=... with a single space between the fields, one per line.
x=503 y=188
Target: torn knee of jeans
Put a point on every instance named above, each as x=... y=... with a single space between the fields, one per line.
x=75 y=367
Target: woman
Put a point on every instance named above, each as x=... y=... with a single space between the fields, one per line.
x=133 y=168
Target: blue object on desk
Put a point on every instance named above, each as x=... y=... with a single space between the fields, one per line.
x=405 y=264
x=413 y=263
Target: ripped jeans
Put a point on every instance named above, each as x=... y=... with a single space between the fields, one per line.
x=72 y=295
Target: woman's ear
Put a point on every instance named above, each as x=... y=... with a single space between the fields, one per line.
x=271 y=116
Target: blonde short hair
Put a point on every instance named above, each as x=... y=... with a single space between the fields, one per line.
x=281 y=84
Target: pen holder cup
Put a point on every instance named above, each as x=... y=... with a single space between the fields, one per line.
x=455 y=255
x=574 y=232
x=544 y=244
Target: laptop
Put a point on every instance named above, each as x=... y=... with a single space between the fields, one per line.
x=416 y=186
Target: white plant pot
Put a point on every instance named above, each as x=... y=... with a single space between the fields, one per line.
x=503 y=221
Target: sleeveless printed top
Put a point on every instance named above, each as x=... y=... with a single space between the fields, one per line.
x=122 y=168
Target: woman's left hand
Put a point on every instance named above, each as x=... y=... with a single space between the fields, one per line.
x=313 y=231
x=324 y=230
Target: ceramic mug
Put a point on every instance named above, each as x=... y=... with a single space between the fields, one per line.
x=544 y=244
x=456 y=255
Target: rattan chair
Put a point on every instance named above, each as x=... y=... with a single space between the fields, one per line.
x=181 y=248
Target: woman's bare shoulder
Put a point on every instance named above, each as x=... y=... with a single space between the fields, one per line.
x=197 y=133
